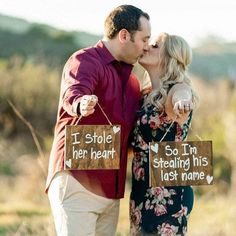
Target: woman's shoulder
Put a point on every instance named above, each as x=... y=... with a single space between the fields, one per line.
x=146 y=91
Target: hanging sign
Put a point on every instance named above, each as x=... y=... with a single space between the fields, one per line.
x=92 y=147
x=180 y=163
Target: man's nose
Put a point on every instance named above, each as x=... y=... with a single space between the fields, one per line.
x=146 y=47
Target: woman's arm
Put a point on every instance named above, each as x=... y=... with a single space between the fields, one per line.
x=179 y=102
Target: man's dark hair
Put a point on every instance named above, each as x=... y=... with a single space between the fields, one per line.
x=123 y=17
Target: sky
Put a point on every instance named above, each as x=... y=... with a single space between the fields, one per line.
x=191 y=19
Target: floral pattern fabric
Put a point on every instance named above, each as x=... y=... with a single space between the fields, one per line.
x=159 y=211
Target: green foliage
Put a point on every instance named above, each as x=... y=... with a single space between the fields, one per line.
x=13 y=24
x=5 y=229
x=86 y=39
x=214 y=59
x=30 y=71
x=6 y=169
x=222 y=169
x=39 y=43
x=34 y=90
x=38 y=46
x=210 y=132
x=213 y=66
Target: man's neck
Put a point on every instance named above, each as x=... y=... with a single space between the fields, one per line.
x=112 y=47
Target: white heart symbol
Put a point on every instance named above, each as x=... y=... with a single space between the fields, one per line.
x=154 y=148
x=209 y=179
x=68 y=163
x=116 y=129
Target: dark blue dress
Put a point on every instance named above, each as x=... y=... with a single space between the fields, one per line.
x=156 y=210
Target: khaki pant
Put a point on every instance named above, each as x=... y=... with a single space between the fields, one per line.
x=78 y=212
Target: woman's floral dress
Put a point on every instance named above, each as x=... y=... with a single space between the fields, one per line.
x=156 y=210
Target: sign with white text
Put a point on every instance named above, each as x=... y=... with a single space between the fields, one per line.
x=180 y=163
x=92 y=147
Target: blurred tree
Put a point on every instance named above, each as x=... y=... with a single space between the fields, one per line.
x=34 y=90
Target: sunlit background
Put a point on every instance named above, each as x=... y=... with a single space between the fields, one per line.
x=37 y=37
x=191 y=19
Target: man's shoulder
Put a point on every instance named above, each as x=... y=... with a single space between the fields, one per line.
x=89 y=53
x=86 y=60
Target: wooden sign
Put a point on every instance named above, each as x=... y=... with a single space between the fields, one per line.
x=92 y=147
x=180 y=163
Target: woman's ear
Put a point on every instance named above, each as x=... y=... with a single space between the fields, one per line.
x=124 y=36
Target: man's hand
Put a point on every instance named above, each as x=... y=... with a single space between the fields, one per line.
x=87 y=104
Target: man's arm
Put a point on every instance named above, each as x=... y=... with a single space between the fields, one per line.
x=79 y=80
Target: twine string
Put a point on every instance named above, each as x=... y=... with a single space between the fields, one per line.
x=103 y=112
x=198 y=137
x=168 y=129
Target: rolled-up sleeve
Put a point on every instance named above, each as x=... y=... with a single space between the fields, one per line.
x=80 y=77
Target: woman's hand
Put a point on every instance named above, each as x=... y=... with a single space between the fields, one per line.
x=179 y=103
x=182 y=107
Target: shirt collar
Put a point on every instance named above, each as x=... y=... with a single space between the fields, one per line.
x=107 y=56
x=104 y=52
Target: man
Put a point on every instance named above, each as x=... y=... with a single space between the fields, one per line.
x=86 y=202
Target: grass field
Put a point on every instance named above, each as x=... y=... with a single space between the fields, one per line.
x=24 y=208
x=213 y=216
x=210 y=217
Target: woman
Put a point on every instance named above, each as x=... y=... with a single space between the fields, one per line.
x=165 y=116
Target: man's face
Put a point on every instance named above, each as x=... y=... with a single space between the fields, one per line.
x=137 y=45
x=152 y=57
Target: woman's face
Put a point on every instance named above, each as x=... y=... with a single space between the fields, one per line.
x=151 y=58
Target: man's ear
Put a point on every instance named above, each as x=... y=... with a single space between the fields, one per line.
x=124 y=36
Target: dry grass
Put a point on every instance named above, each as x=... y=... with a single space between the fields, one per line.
x=211 y=216
x=29 y=214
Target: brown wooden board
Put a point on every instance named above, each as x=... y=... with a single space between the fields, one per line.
x=180 y=163
x=92 y=147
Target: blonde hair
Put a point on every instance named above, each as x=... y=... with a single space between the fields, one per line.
x=175 y=57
